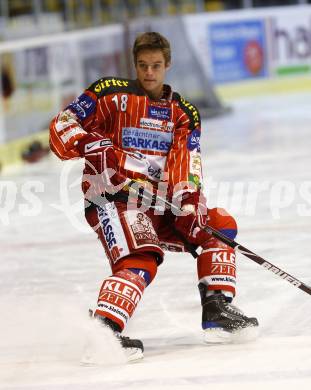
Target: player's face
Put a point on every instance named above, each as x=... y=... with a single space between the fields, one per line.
x=150 y=71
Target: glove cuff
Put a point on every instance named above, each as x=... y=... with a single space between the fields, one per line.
x=92 y=143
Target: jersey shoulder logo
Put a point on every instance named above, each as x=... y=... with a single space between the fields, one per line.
x=82 y=106
x=190 y=109
x=193 y=141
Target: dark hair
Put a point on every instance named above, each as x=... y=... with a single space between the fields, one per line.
x=152 y=41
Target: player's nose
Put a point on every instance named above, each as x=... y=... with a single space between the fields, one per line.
x=149 y=70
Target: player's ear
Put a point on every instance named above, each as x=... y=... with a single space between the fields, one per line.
x=168 y=65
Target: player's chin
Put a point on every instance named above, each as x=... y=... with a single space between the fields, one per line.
x=150 y=84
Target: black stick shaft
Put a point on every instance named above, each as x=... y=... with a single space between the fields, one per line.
x=259 y=260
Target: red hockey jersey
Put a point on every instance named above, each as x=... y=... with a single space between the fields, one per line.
x=154 y=140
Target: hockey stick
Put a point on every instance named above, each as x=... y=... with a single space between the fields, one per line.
x=238 y=247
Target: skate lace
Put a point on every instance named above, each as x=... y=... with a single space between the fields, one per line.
x=232 y=308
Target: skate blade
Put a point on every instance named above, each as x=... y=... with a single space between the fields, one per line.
x=220 y=336
x=133 y=354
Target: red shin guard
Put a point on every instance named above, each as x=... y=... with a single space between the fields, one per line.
x=119 y=296
x=216 y=267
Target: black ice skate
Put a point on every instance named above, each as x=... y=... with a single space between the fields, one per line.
x=133 y=348
x=223 y=322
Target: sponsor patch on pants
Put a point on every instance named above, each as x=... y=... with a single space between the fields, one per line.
x=142 y=229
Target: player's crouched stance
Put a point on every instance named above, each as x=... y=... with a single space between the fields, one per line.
x=134 y=239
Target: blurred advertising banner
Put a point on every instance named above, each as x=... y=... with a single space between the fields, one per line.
x=290 y=43
x=238 y=50
x=252 y=44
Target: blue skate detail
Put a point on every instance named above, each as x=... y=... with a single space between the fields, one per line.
x=210 y=325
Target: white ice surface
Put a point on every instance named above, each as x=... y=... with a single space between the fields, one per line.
x=52 y=266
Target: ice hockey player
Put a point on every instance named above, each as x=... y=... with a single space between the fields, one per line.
x=131 y=131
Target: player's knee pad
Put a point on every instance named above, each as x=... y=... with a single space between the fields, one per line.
x=119 y=296
x=220 y=220
x=216 y=267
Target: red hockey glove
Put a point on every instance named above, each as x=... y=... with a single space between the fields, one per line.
x=100 y=174
x=191 y=225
